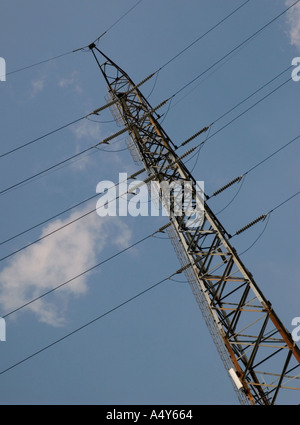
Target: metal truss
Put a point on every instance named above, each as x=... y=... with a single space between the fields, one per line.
x=258 y=353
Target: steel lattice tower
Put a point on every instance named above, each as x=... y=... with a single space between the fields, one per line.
x=256 y=349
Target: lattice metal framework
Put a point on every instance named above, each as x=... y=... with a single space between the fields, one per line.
x=257 y=351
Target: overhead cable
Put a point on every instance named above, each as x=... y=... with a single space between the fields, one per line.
x=93 y=321
x=264 y=216
x=75 y=50
x=50 y=291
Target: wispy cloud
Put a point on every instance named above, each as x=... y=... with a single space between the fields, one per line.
x=88 y=130
x=55 y=260
x=37 y=86
x=71 y=81
x=293 y=19
x=85 y=131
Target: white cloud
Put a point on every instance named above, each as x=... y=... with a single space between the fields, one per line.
x=37 y=86
x=71 y=81
x=86 y=129
x=56 y=259
x=293 y=19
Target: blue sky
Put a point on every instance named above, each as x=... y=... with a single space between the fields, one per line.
x=156 y=349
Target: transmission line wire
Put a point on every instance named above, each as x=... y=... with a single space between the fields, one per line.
x=72 y=221
x=243 y=113
x=203 y=35
x=104 y=150
x=118 y=20
x=49 y=219
x=118 y=306
x=190 y=158
x=75 y=50
x=200 y=147
x=85 y=271
x=243 y=176
x=284 y=202
x=208 y=197
x=137 y=295
x=175 y=94
x=130 y=177
x=2 y=192
x=252 y=94
x=235 y=48
x=238 y=179
x=40 y=63
x=41 y=137
x=91 y=322
x=95 y=112
x=163 y=66
x=104 y=141
x=264 y=216
x=52 y=167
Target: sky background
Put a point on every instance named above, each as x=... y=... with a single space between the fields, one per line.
x=156 y=349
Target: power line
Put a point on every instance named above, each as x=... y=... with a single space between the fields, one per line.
x=272 y=154
x=91 y=211
x=104 y=141
x=133 y=176
x=75 y=50
x=235 y=48
x=91 y=321
x=284 y=202
x=252 y=94
x=49 y=219
x=86 y=271
x=175 y=94
x=244 y=112
x=95 y=112
x=42 y=137
x=120 y=19
x=72 y=221
x=14 y=186
x=242 y=177
x=208 y=197
x=114 y=24
x=190 y=158
x=261 y=218
x=200 y=145
x=40 y=63
x=203 y=35
x=238 y=179
x=264 y=216
x=52 y=167
x=118 y=306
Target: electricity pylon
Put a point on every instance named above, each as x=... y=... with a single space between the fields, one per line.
x=258 y=352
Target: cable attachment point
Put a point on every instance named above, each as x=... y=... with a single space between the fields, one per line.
x=163 y=228
x=179 y=271
x=203 y=130
x=261 y=218
x=236 y=180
